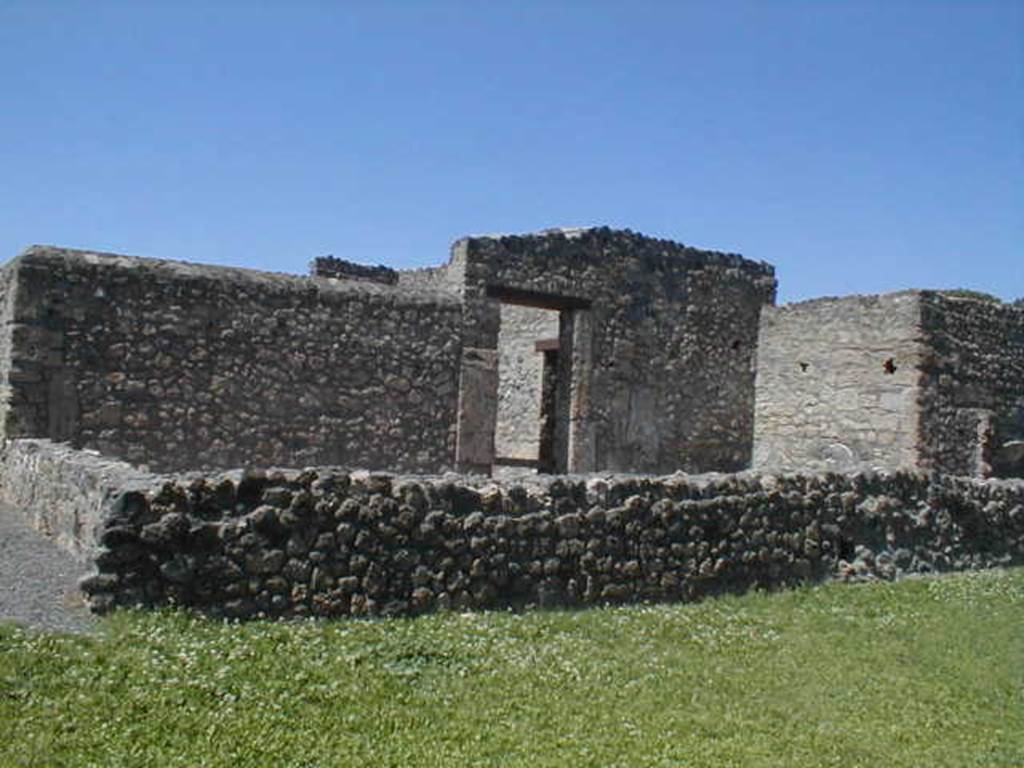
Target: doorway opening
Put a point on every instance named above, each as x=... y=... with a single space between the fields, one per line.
x=527 y=413
x=523 y=402
x=536 y=380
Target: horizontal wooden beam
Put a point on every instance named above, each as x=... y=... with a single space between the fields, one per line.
x=546 y=345
x=538 y=299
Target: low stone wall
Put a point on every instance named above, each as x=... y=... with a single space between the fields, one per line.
x=64 y=493
x=328 y=542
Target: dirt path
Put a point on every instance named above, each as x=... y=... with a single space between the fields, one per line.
x=38 y=581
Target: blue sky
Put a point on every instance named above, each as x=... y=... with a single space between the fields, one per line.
x=858 y=146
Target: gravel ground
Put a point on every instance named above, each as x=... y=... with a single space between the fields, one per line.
x=38 y=581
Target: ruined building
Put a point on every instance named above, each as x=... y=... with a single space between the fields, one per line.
x=604 y=361
x=565 y=351
x=920 y=380
x=571 y=351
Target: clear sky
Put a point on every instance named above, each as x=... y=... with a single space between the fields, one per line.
x=858 y=146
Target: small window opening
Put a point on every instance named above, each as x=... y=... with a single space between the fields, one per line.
x=803 y=366
x=889 y=366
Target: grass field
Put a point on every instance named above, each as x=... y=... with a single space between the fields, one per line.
x=919 y=673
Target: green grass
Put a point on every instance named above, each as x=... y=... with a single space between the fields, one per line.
x=919 y=673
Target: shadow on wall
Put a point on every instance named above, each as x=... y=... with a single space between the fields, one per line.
x=1009 y=459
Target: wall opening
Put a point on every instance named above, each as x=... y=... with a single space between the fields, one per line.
x=523 y=385
x=527 y=420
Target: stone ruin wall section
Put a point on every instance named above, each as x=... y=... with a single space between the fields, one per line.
x=179 y=366
x=325 y=542
x=64 y=493
x=662 y=358
x=838 y=384
x=443 y=279
x=8 y=374
x=973 y=385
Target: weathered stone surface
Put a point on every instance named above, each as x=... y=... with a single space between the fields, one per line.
x=656 y=342
x=972 y=386
x=180 y=366
x=920 y=380
x=642 y=538
x=339 y=269
x=80 y=499
x=478 y=403
x=825 y=400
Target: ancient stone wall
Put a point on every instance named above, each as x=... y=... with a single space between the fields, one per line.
x=331 y=543
x=520 y=373
x=973 y=386
x=432 y=279
x=64 y=493
x=328 y=542
x=919 y=379
x=657 y=347
x=340 y=269
x=8 y=290
x=838 y=384
x=176 y=365
x=179 y=366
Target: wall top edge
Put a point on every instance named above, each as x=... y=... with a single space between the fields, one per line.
x=860 y=299
x=621 y=238
x=170 y=269
x=712 y=483
x=904 y=295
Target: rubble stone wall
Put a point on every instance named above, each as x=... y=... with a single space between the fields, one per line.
x=328 y=542
x=8 y=292
x=919 y=379
x=432 y=279
x=838 y=384
x=658 y=348
x=64 y=493
x=180 y=366
x=333 y=544
x=973 y=385
x=340 y=269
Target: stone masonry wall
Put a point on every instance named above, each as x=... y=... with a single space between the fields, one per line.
x=339 y=269
x=520 y=368
x=432 y=279
x=178 y=366
x=660 y=341
x=8 y=291
x=838 y=382
x=64 y=493
x=973 y=385
x=330 y=543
